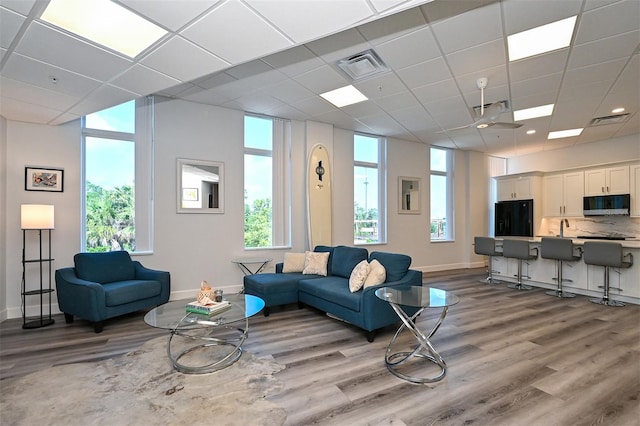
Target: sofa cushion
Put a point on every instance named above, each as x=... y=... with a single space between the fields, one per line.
x=326 y=249
x=333 y=289
x=264 y=284
x=395 y=264
x=104 y=267
x=123 y=292
x=345 y=258
x=293 y=262
x=358 y=276
x=377 y=274
x=315 y=263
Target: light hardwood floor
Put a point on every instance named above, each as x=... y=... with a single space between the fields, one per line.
x=514 y=358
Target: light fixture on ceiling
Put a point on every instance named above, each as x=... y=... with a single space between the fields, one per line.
x=344 y=96
x=104 y=22
x=531 y=132
x=542 y=39
x=617 y=110
x=534 y=112
x=362 y=65
x=565 y=133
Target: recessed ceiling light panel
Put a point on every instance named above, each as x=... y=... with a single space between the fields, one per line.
x=565 y=133
x=344 y=96
x=535 y=112
x=104 y=22
x=545 y=38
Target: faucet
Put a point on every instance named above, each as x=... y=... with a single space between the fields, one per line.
x=562 y=223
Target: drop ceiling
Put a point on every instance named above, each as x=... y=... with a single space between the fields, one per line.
x=275 y=57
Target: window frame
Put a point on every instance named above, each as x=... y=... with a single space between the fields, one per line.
x=381 y=167
x=449 y=234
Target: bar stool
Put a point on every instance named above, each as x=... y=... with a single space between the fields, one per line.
x=486 y=246
x=560 y=250
x=609 y=255
x=521 y=250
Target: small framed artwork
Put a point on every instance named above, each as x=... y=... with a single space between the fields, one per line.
x=41 y=179
x=189 y=194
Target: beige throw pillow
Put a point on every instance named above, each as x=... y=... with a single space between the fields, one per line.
x=377 y=274
x=293 y=262
x=358 y=275
x=316 y=263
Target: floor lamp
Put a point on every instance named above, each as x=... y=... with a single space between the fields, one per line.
x=36 y=217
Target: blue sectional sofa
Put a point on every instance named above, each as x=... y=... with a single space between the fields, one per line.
x=105 y=285
x=331 y=293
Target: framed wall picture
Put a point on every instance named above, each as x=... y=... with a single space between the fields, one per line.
x=409 y=195
x=189 y=194
x=41 y=179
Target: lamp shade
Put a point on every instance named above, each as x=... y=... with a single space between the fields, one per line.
x=36 y=216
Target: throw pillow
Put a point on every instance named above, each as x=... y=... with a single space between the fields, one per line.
x=358 y=276
x=377 y=274
x=293 y=262
x=315 y=263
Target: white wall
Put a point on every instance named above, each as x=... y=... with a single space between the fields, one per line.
x=625 y=148
x=3 y=217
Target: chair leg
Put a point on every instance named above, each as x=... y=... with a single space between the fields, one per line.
x=266 y=311
x=371 y=335
x=559 y=292
x=68 y=318
x=490 y=271
x=98 y=326
x=605 y=297
x=519 y=285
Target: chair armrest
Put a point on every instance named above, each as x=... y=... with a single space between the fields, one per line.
x=82 y=298
x=163 y=277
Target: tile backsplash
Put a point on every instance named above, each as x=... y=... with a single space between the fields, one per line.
x=618 y=226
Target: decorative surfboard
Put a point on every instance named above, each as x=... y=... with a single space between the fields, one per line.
x=319 y=197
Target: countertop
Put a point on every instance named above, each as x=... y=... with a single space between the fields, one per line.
x=629 y=243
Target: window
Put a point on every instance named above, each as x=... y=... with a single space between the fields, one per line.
x=369 y=189
x=267 y=165
x=441 y=194
x=117 y=178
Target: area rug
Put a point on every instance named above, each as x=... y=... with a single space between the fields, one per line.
x=142 y=388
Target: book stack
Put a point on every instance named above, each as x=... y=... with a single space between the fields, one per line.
x=209 y=309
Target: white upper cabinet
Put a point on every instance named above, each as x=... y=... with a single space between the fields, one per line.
x=634 y=171
x=519 y=188
x=610 y=180
x=562 y=194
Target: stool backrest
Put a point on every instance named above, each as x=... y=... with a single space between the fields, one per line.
x=557 y=249
x=485 y=246
x=518 y=249
x=603 y=253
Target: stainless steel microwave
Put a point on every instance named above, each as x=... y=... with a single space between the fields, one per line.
x=607 y=205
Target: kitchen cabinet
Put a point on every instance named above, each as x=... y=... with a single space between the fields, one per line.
x=634 y=173
x=562 y=194
x=610 y=180
x=517 y=188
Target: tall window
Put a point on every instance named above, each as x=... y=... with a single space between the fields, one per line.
x=267 y=206
x=441 y=194
x=369 y=189
x=118 y=188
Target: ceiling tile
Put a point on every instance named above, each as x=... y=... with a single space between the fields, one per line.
x=339 y=46
x=13 y=109
x=314 y=106
x=213 y=32
x=11 y=23
x=483 y=56
x=20 y=6
x=383 y=30
x=105 y=96
x=594 y=73
x=534 y=67
x=380 y=86
x=39 y=74
x=183 y=60
x=617 y=18
x=401 y=52
x=62 y=50
x=288 y=91
x=426 y=72
x=36 y=95
x=607 y=49
x=469 y=29
x=307 y=20
x=398 y=101
x=430 y=93
x=523 y=88
x=208 y=97
x=321 y=79
x=143 y=79
x=294 y=61
x=172 y=14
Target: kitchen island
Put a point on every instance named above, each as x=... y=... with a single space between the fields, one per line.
x=585 y=279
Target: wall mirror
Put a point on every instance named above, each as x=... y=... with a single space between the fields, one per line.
x=200 y=186
x=409 y=194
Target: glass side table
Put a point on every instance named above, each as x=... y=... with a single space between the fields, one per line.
x=422 y=298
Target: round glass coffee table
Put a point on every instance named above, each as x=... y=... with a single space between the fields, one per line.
x=422 y=298
x=218 y=340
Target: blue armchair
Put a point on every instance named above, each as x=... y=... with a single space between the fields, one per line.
x=105 y=285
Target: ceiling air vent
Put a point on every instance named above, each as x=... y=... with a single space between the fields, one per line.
x=362 y=65
x=504 y=107
x=609 y=119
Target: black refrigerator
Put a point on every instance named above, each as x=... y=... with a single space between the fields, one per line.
x=514 y=218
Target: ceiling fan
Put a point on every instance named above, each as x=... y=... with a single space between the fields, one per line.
x=489 y=115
